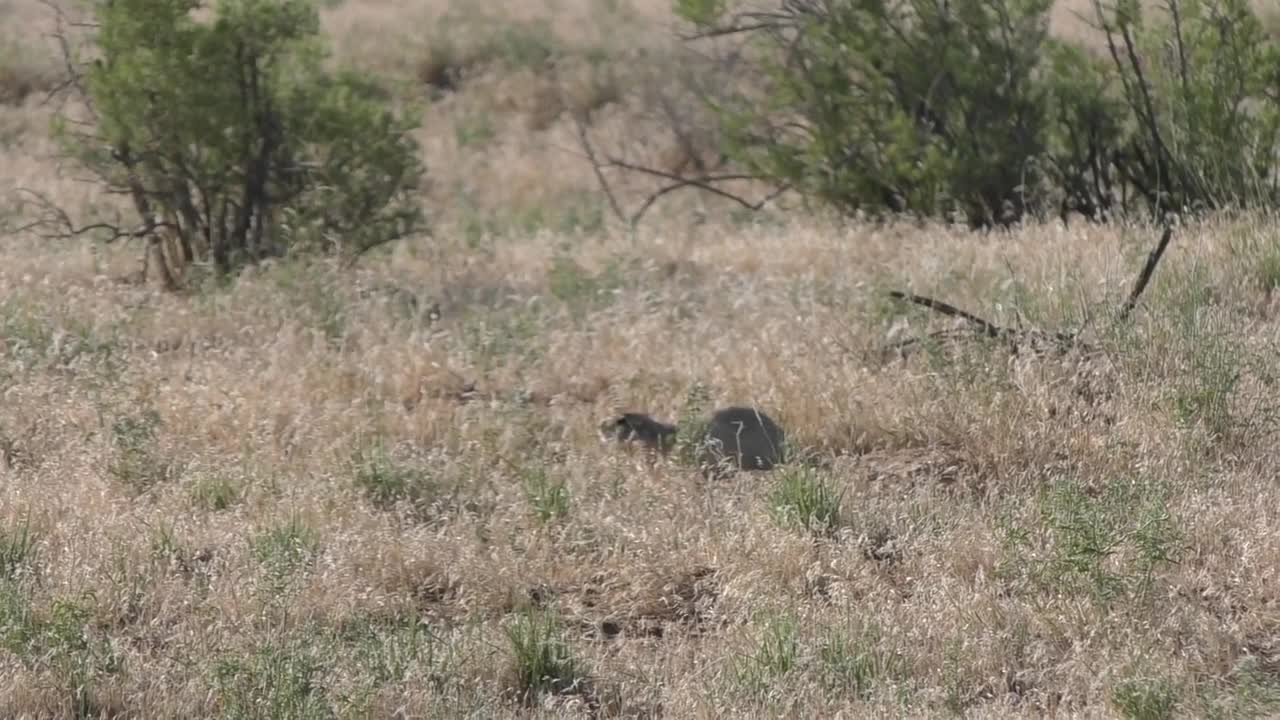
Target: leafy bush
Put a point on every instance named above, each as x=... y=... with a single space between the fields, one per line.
x=876 y=106
x=232 y=140
x=1201 y=88
x=970 y=110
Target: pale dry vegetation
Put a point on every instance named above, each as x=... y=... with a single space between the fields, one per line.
x=378 y=492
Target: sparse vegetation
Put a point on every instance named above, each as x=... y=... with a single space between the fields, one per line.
x=541 y=661
x=775 y=655
x=548 y=498
x=1144 y=698
x=280 y=679
x=806 y=499
x=874 y=107
x=215 y=492
x=285 y=548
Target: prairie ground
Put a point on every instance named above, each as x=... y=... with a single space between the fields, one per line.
x=379 y=492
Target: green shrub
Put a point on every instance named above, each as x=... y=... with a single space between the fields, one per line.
x=268 y=153
x=913 y=105
x=1199 y=85
x=969 y=110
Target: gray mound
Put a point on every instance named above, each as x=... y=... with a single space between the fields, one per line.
x=744 y=438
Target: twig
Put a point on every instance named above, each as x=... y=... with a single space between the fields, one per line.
x=701 y=182
x=1017 y=337
x=584 y=139
x=704 y=182
x=1153 y=259
x=56 y=224
x=988 y=328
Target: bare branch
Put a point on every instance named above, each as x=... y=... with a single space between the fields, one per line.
x=1153 y=259
x=701 y=182
x=584 y=140
x=53 y=223
x=74 y=71
x=988 y=328
x=704 y=182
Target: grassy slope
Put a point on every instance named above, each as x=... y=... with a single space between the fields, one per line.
x=255 y=496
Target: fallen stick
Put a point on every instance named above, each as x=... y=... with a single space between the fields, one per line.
x=1016 y=338
x=1153 y=258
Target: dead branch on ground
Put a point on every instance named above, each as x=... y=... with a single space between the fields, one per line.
x=1153 y=258
x=1019 y=338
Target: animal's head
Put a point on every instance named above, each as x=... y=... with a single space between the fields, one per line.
x=624 y=427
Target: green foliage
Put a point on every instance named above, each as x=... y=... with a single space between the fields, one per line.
x=1145 y=698
x=279 y=680
x=34 y=337
x=136 y=462
x=969 y=110
x=387 y=482
x=271 y=151
x=388 y=654
x=215 y=492
x=18 y=624
x=580 y=289
x=806 y=499
x=701 y=12
x=474 y=130
x=167 y=548
x=1201 y=90
x=776 y=654
x=692 y=425
x=285 y=548
x=1105 y=543
x=857 y=663
x=61 y=638
x=542 y=662
x=17 y=551
x=896 y=106
x=1203 y=368
x=1249 y=690
x=548 y=499
x=1087 y=123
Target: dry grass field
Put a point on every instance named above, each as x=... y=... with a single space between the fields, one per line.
x=379 y=492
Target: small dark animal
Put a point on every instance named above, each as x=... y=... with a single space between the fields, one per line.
x=638 y=427
x=734 y=438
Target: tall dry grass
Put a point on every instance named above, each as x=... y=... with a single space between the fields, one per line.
x=230 y=491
